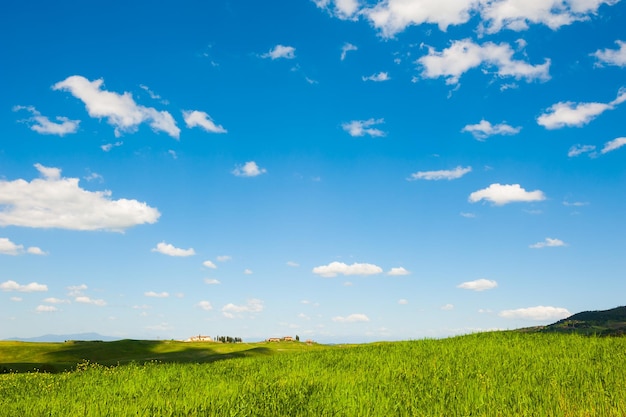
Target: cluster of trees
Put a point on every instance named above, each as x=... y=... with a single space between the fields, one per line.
x=228 y=339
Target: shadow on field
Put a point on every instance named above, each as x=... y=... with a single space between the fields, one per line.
x=122 y=352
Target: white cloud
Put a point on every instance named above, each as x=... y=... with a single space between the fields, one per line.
x=468 y=215
x=16 y=299
x=612 y=56
x=76 y=290
x=518 y=14
x=447 y=307
x=352 y=318
x=580 y=149
x=120 y=110
x=393 y=16
x=170 y=250
x=14 y=286
x=539 y=313
x=464 y=55
x=381 y=76
x=54 y=300
x=205 y=305
x=548 y=243
x=293 y=264
x=339 y=268
x=500 y=194
x=343 y=9
x=224 y=258
x=156 y=294
x=451 y=174
x=55 y=202
x=613 y=145
x=484 y=129
x=347 y=47
x=567 y=113
x=108 y=146
x=478 y=285
x=209 y=264
x=399 y=271
x=45 y=309
x=363 y=127
x=211 y=281
x=253 y=305
x=87 y=300
x=249 y=169
x=9 y=248
x=201 y=119
x=247 y=271
x=403 y=301
x=281 y=51
x=41 y=124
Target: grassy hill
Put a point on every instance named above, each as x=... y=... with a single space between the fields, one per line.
x=610 y=322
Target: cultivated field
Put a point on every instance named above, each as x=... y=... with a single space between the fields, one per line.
x=488 y=374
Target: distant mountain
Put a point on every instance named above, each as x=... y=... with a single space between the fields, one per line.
x=64 y=337
x=602 y=322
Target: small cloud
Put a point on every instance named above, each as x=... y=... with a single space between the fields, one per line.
x=14 y=286
x=352 y=318
x=293 y=264
x=478 y=285
x=76 y=290
x=500 y=194
x=447 y=307
x=9 y=248
x=211 y=281
x=615 y=57
x=398 y=271
x=347 y=47
x=403 y=301
x=209 y=264
x=484 y=129
x=46 y=309
x=87 y=300
x=224 y=258
x=170 y=250
x=247 y=271
x=156 y=294
x=548 y=243
x=253 y=305
x=579 y=150
x=613 y=145
x=468 y=215
x=381 y=76
x=249 y=169
x=201 y=119
x=339 y=268
x=358 y=128
x=575 y=203
x=54 y=300
x=539 y=313
x=41 y=124
x=16 y=299
x=108 y=146
x=280 y=51
x=451 y=174
x=173 y=154
x=205 y=305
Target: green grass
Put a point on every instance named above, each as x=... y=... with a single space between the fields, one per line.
x=488 y=374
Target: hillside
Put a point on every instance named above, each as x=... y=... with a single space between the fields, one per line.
x=610 y=322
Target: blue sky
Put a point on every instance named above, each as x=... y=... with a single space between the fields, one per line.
x=340 y=170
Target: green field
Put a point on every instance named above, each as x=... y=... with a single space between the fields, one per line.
x=487 y=374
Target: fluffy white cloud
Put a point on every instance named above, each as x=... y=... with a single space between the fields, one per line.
x=451 y=174
x=171 y=250
x=54 y=300
x=209 y=264
x=347 y=47
x=352 y=318
x=248 y=271
x=156 y=294
x=281 y=51
x=87 y=300
x=46 y=309
x=343 y=9
x=120 y=110
x=41 y=124
x=14 y=286
x=108 y=146
x=201 y=119
x=567 y=113
x=249 y=169
x=378 y=77
x=539 y=313
x=464 y=55
x=55 y=202
x=548 y=243
x=9 y=248
x=612 y=56
x=580 y=149
x=339 y=268
x=518 y=14
x=363 y=127
x=484 y=129
x=393 y=16
x=253 y=305
x=478 y=285
x=395 y=272
x=205 y=305
x=500 y=194
x=613 y=145
x=211 y=281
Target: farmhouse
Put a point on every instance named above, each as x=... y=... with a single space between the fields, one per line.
x=274 y=339
x=199 y=338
